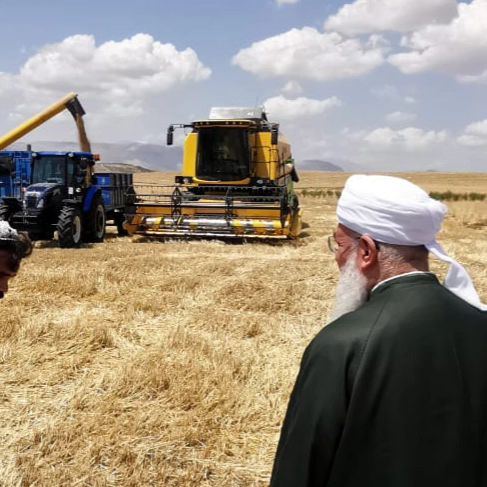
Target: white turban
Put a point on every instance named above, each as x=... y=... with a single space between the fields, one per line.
x=395 y=211
x=6 y=231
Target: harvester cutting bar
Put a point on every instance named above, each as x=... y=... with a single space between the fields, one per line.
x=199 y=201
x=154 y=191
x=224 y=211
x=210 y=227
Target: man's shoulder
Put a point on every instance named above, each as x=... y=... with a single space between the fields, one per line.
x=346 y=333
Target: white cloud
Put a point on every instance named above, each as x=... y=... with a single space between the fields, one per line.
x=309 y=54
x=458 y=48
x=410 y=100
x=472 y=140
x=281 y=108
x=286 y=2
x=475 y=134
x=292 y=88
x=136 y=65
x=364 y=16
x=411 y=139
x=400 y=117
x=477 y=128
x=119 y=75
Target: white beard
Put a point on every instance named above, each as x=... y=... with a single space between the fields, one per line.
x=351 y=291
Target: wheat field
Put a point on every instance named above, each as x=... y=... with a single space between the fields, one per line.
x=135 y=363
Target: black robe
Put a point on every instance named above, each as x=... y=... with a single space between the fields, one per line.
x=391 y=395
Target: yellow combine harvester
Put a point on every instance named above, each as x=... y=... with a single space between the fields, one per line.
x=237 y=181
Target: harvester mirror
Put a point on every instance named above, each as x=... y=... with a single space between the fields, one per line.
x=83 y=164
x=170 y=135
x=275 y=134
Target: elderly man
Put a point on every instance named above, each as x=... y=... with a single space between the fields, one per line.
x=13 y=248
x=392 y=393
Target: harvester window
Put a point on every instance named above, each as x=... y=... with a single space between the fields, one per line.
x=223 y=154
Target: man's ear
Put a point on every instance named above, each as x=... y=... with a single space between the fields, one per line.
x=368 y=253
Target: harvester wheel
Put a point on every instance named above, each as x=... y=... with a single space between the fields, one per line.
x=69 y=227
x=96 y=221
x=296 y=220
x=5 y=213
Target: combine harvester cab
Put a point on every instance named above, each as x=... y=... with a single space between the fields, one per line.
x=237 y=181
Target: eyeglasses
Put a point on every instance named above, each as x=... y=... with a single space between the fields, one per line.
x=333 y=245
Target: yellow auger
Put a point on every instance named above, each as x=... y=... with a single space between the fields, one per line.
x=237 y=181
x=69 y=102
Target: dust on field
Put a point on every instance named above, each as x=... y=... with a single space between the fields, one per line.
x=133 y=364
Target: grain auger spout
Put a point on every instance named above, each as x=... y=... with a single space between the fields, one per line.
x=237 y=181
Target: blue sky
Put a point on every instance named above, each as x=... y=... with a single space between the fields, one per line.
x=386 y=84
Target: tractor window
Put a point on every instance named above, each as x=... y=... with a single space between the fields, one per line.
x=223 y=154
x=71 y=171
x=49 y=169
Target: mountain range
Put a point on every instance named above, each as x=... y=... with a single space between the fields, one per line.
x=143 y=157
x=146 y=156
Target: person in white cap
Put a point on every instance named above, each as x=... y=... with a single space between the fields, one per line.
x=14 y=247
x=393 y=392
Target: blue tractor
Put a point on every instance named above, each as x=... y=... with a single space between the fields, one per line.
x=63 y=194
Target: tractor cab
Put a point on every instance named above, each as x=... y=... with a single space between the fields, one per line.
x=69 y=169
x=57 y=176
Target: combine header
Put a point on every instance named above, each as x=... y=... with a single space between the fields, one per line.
x=237 y=181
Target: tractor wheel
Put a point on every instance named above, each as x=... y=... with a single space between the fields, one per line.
x=119 y=219
x=96 y=221
x=5 y=213
x=69 y=227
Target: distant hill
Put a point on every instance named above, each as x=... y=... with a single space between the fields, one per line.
x=156 y=157
x=148 y=156
x=318 y=165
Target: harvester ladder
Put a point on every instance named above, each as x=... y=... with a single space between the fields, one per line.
x=176 y=202
x=229 y=213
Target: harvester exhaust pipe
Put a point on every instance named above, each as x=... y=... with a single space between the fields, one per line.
x=170 y=135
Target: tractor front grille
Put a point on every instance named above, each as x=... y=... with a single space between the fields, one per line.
x=31 y=201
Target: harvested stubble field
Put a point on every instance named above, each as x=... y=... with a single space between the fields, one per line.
x=145 y=363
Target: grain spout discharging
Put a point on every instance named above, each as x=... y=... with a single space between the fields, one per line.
x=84 y=143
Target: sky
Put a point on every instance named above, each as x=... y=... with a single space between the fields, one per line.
x=384 y=84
